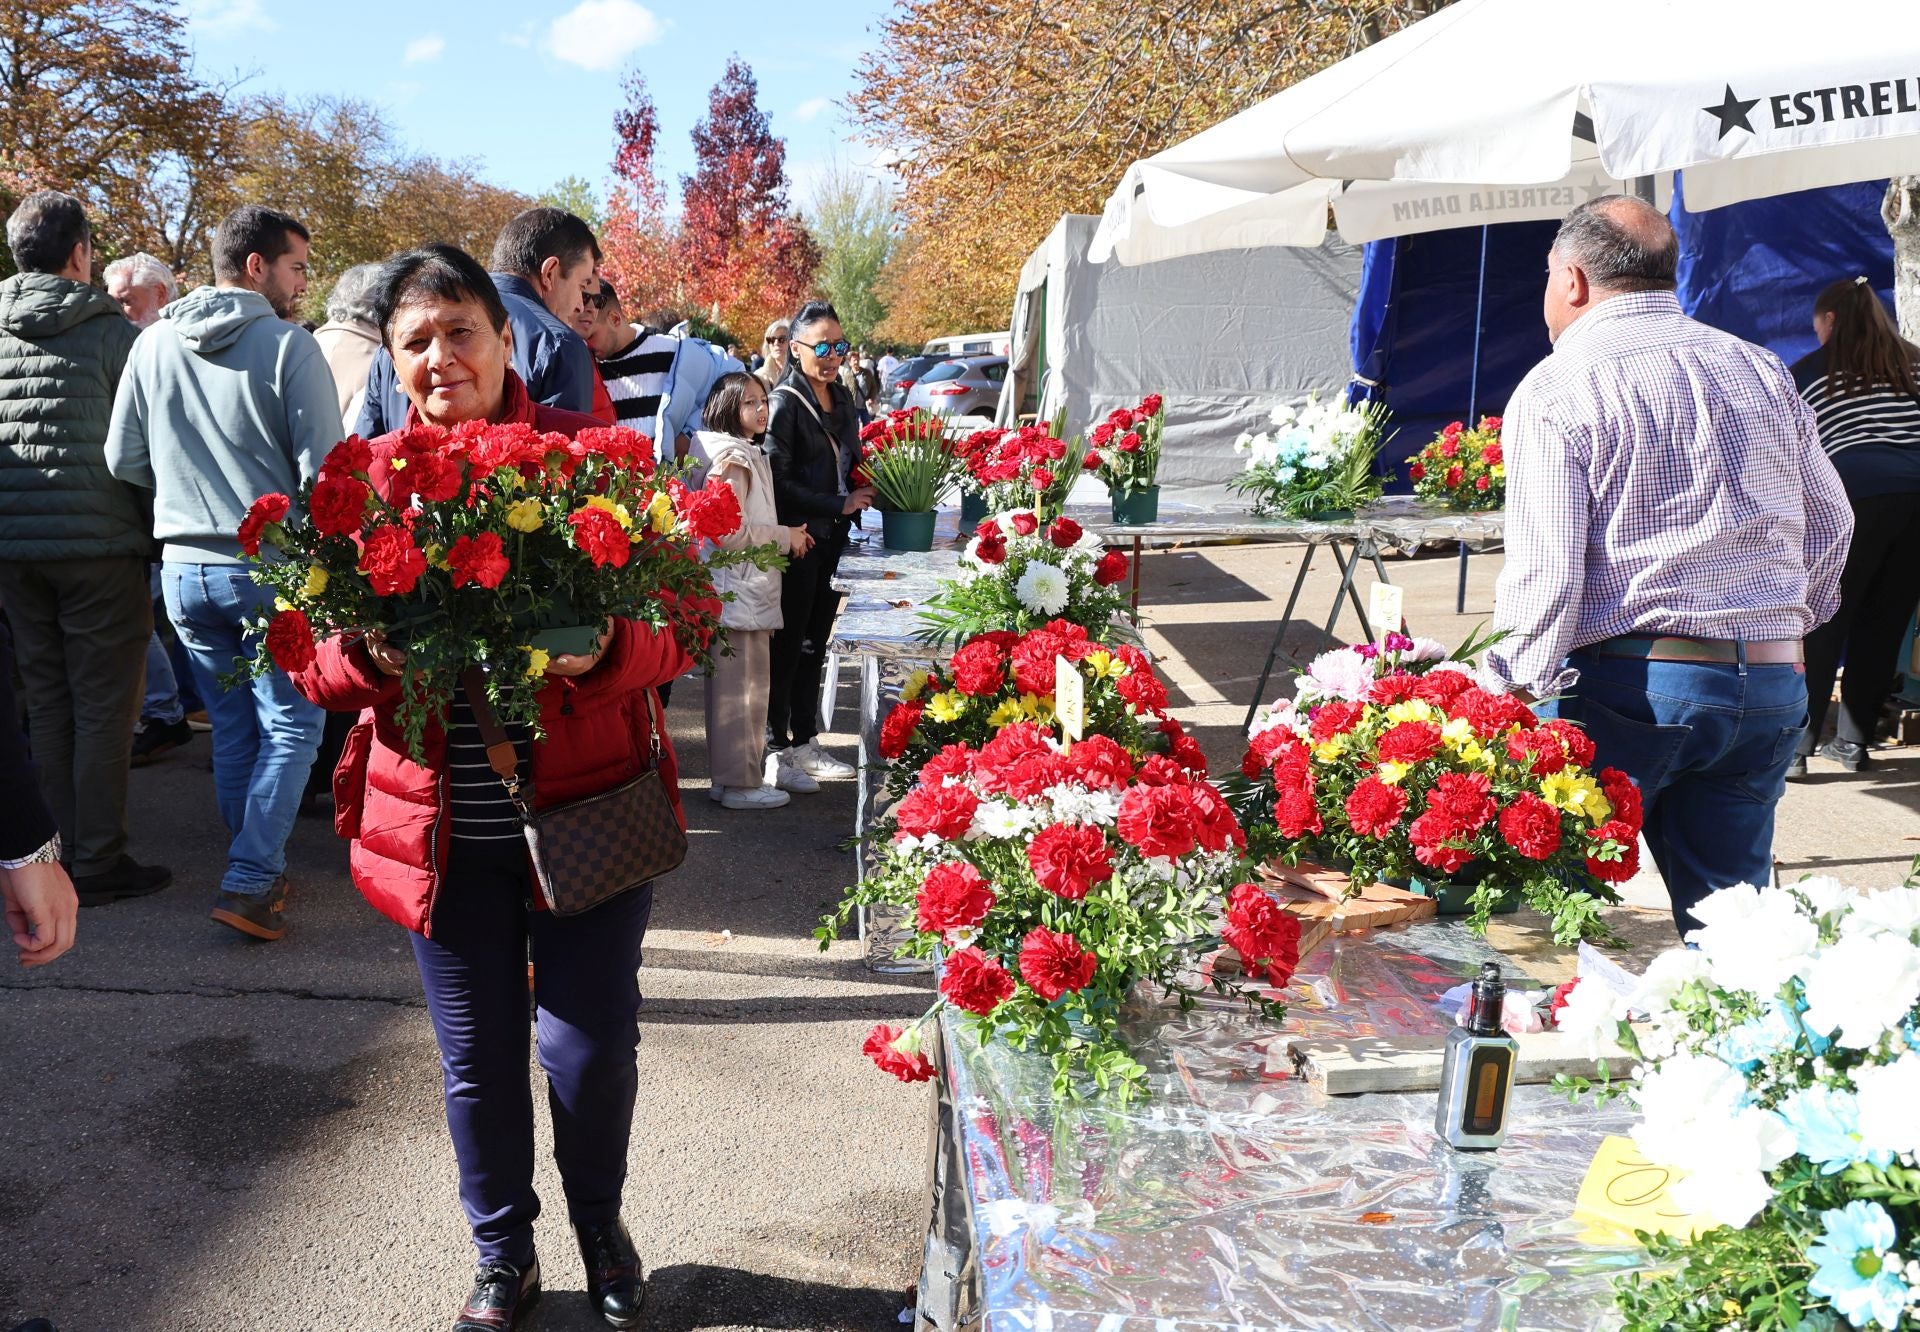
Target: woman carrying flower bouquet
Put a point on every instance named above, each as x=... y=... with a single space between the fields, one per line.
x=813 y=439
x=437 y=847
x=731 y=448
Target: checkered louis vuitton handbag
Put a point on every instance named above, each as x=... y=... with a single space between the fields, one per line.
x=588 y=851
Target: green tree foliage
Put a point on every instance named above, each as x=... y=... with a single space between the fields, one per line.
x=852 y=220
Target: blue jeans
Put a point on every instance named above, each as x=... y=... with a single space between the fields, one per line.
x=474 y=972
x=170 y=694
x=264 y=734
x=1709 y=745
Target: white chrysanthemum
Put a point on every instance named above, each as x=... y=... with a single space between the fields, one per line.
x=1727 y=1164
x=1042 y=589
x=1078 y=804
x=1666 y=976
x=1001 y=818
x=1282 y=416
x=1861 y=986
x=1754 y=939
x=1241 y=444
x=1890 y=1104
x=1350 y=422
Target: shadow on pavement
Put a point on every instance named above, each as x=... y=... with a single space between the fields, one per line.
x=694 y=1296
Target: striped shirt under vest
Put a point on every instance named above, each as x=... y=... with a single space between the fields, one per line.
x=637 y=376
x=1873 y=436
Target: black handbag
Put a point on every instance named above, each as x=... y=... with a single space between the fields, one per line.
x=587 y=851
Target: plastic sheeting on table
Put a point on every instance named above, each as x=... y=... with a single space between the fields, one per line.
x=1396 y=521
x=1238 y=1197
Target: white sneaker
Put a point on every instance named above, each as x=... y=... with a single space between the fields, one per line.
x=817 y=762
x=754 y=797
x=787 y=775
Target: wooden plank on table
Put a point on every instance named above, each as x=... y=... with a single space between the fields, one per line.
x=1412 y=1063
x=1318 y=896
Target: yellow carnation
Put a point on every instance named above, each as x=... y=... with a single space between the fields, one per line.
x=537 y=659
x=282 y=604
x=316 y=582
x=1577 y=793
x=1392 y=773
x=1329 y=750
x=619 y=511
x=526 y=515
x=1104 y=665
x=1412 y=709
x=660 y=513
x=916 y=685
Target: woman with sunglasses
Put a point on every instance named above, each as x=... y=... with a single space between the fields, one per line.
x=773 y=352
x=813 y=442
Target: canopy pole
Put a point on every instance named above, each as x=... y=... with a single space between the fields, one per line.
x=1479 y=325
x=1643 y=188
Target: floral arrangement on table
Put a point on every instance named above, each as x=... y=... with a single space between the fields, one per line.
x=1033 y=467
x=1000 y=679
x=906 y=458
x=1314 y=461
x=1056 y=877
x=1463 y=468
x=1020 y=571
x=1780 y=1069
x=1125 y=448
x=492 y=546
x=1397 y=763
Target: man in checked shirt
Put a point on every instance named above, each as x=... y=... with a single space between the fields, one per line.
x=1673 y=531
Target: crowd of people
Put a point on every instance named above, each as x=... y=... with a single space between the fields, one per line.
x=139 y=424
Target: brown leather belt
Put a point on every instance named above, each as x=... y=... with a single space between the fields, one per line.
x=1673 y=647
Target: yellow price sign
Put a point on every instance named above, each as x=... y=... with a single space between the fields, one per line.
x=1624 y=1192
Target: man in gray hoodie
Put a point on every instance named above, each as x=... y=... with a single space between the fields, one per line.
x=224 y=400
x=73 y=540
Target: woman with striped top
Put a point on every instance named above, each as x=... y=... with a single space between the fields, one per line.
x=1863 y=383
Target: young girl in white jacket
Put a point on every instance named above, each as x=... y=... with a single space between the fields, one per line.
x=731 y=454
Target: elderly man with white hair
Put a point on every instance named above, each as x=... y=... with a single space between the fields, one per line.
x=350 y=337
x=142 y=285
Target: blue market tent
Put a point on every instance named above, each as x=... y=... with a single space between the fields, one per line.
x=1447 y=323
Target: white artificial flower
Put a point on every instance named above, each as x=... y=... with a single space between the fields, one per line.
x=1240 y=444
x=1824 y=894
x=1666 y=976
x=996 y=820
x=1590 y=1019
x=1350 y=422
x=1755 y=939
x=1078 y=804
x=1681 y=1095
x=1425 y=649
x=1042 y=589
x=1282 y=713
x=1861 y=986
x=1889 y=911
x=1282 y=415
x=1728 y=1164
x=1890 y=1104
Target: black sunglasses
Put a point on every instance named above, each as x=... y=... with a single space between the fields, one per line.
x=775 y=341
x=829 y=348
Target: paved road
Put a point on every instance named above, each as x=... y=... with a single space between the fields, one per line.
x=198 y=1132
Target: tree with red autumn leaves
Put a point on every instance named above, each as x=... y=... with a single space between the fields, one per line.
x=739 y=253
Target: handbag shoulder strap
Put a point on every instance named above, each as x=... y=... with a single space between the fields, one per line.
x=502 y=756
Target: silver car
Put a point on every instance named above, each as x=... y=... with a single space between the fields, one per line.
x=965 y=386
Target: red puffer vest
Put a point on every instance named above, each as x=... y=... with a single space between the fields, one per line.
x=395 y=811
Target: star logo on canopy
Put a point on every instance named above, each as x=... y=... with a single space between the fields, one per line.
x=1732 y=113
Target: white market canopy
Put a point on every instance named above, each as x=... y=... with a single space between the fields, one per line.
x=1517 y=110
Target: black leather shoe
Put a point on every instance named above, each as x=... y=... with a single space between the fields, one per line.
x=128 y=878
x=616 y=1284
x=501 y=1293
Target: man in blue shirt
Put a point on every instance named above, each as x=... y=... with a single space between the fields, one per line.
x=545 y=265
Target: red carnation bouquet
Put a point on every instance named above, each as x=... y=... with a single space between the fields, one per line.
x=1464 y=469
x=1020 y=570
x=1125 y=448
x=1001 y=679
x=907 y=460
x=1053 y=878
x=1401 y=764
x=1033 y=467
x=492 y=546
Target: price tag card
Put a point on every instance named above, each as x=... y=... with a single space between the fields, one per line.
x=1625 y=1192
x=1383 y=608
x=1069 y=698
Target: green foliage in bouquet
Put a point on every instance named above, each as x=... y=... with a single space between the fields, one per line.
x=907 y=459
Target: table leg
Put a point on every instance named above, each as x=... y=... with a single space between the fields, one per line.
x=1279 y=632
x=1460 y=596
x=1136 y=580
x=1349 y=565
x=869 y=769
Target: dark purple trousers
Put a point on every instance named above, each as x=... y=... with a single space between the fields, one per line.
x=474 y=970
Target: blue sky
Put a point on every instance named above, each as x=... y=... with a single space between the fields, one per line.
x=530 y=89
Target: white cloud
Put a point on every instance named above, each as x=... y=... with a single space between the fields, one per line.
x=422 y=49
x=601 y=34
x=811 y=108
x=220 y=17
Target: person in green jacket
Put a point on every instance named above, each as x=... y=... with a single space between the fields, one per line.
x=74 y=540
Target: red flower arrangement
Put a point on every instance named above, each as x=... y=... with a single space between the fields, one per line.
x=487 y=545
x=1030 y=468
x=1125 y=448
x=1462 y=468
x=1405 y=766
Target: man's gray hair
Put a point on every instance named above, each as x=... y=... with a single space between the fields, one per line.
x=44 y=229
x=1621 y=243
x=351 y=300
x=143 y=270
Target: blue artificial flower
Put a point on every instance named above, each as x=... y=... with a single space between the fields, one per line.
x=1753 y=1040
x=1853 y=1269
x=1826 y=1128
x=1285 y=475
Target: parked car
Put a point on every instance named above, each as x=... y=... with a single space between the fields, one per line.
x=969 y=386
x=970 y=344
x=893 y=391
